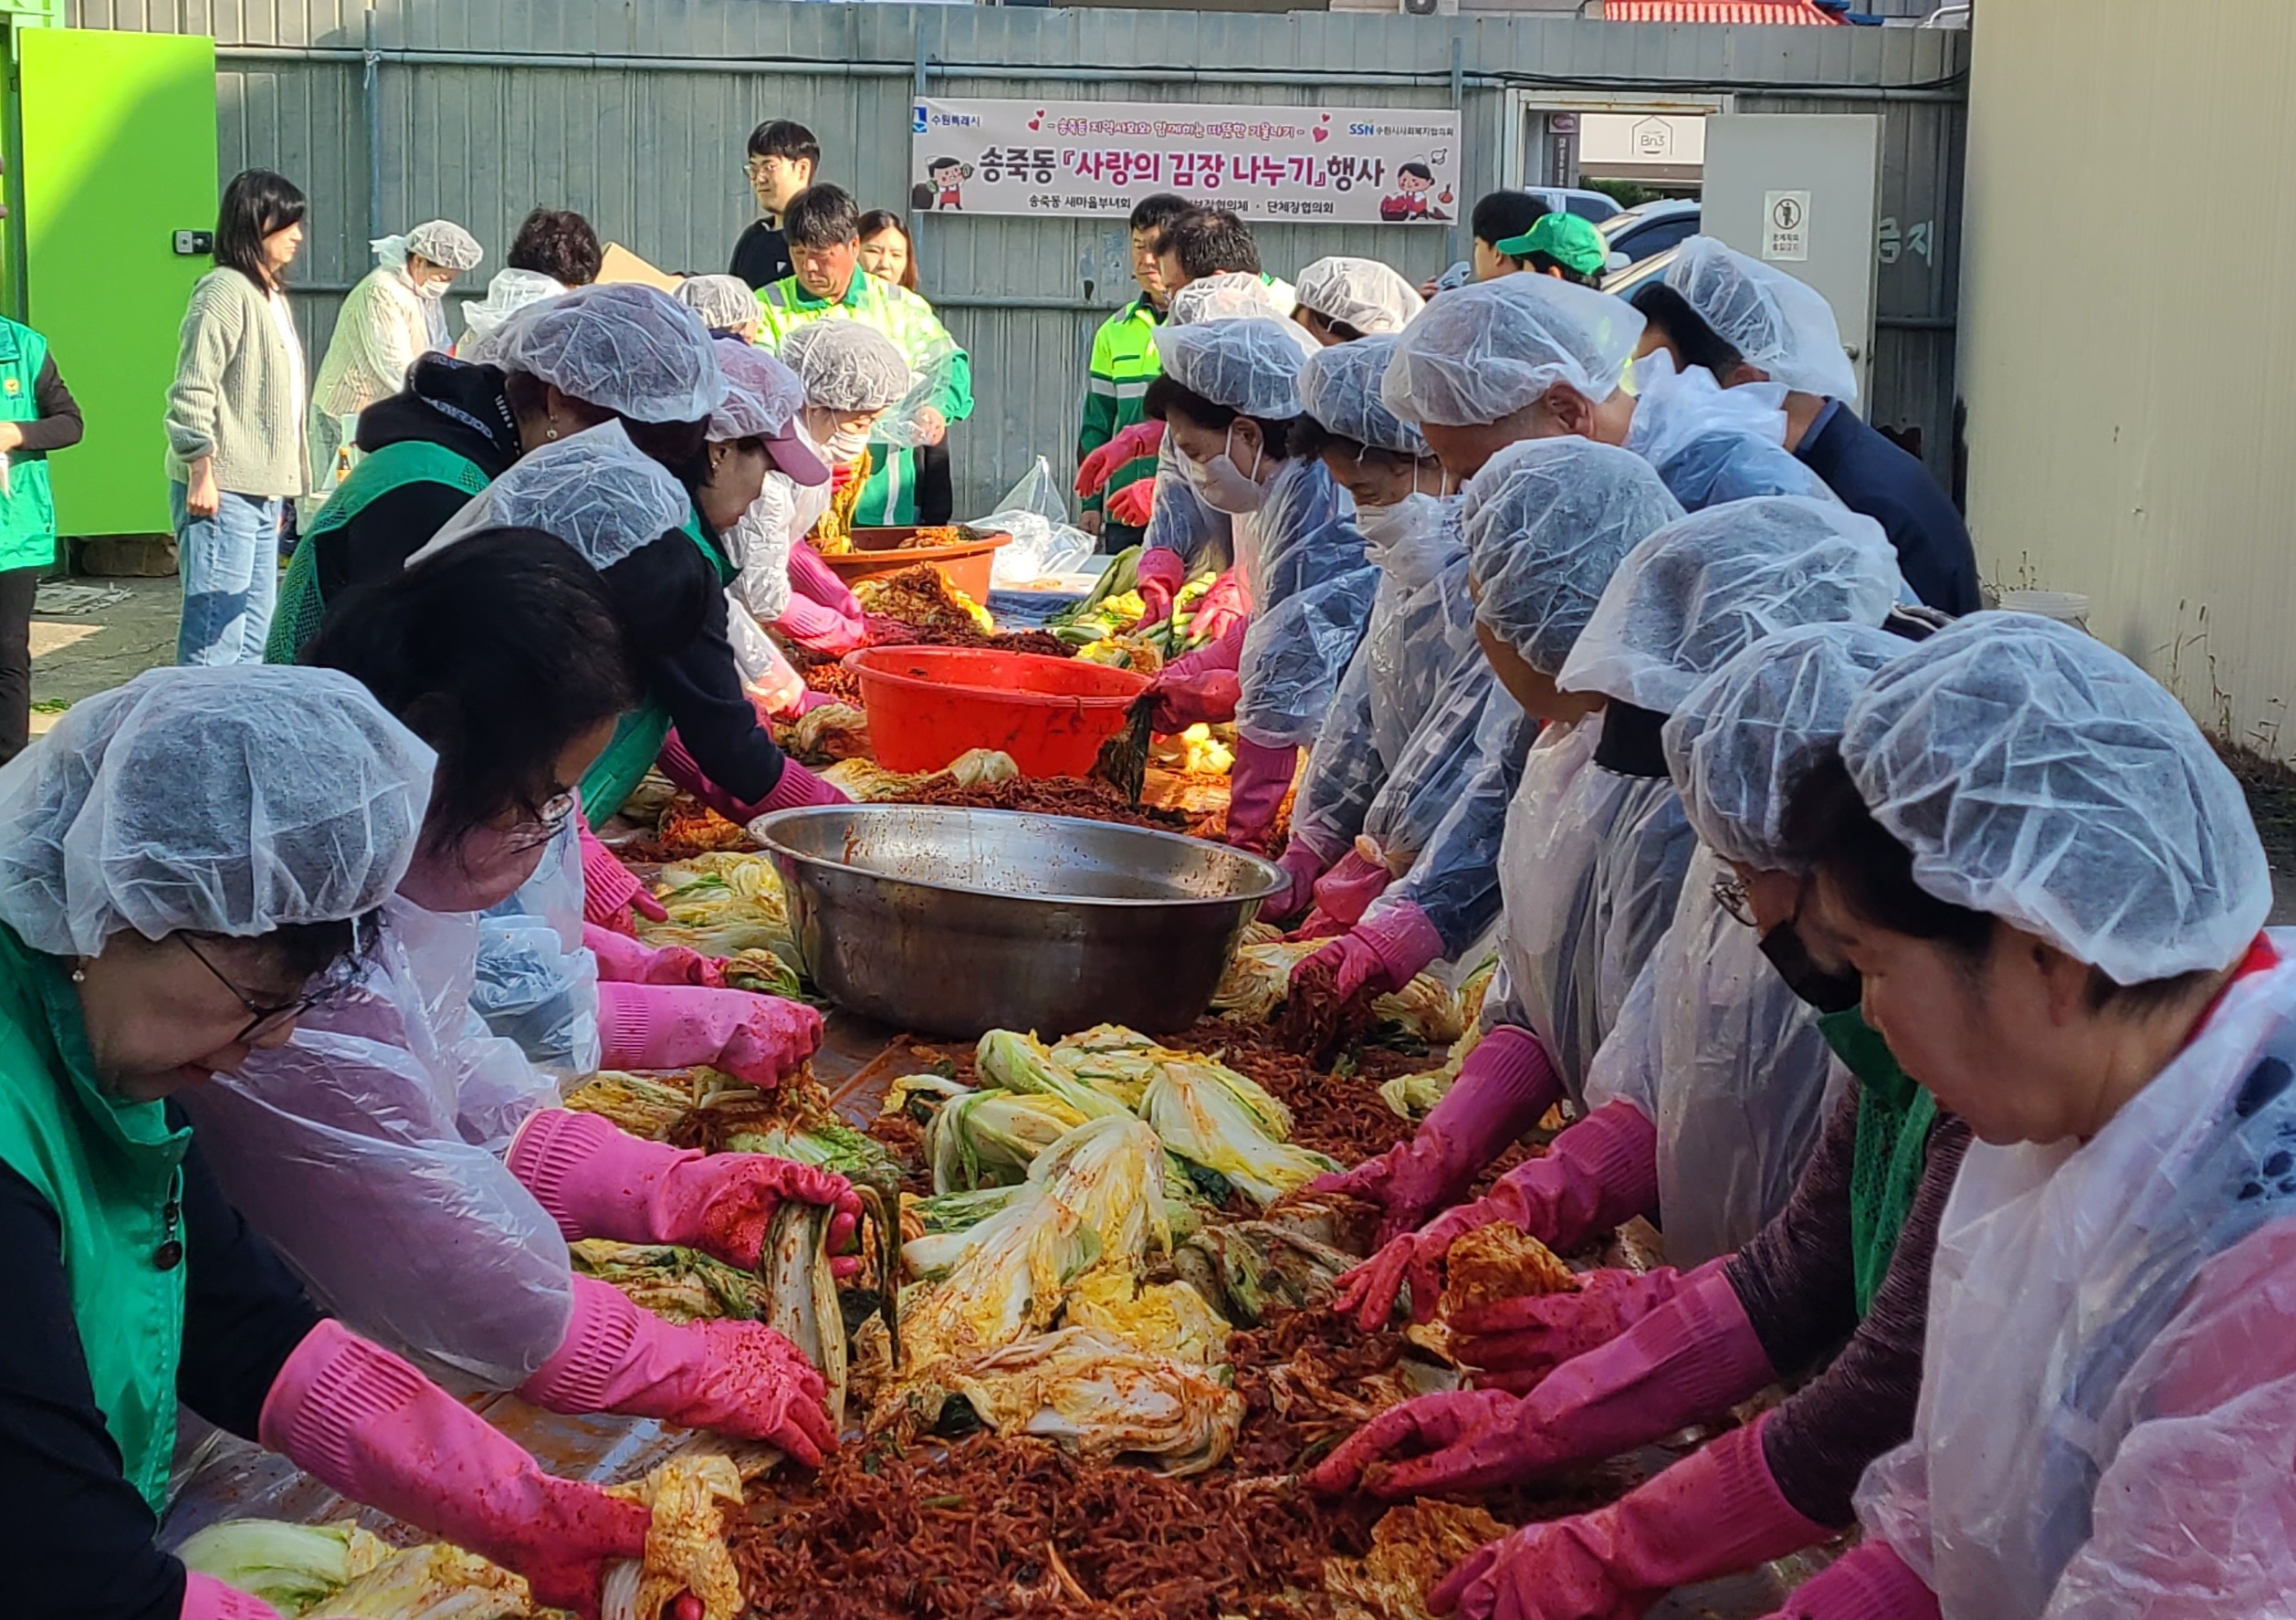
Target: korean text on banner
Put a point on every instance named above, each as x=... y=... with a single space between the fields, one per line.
x=1348 y=166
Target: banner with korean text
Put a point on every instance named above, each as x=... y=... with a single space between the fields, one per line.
x=1337 y=165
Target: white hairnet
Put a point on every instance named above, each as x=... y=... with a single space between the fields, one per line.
x=1339 y=387
x=762 y=393
x=1250 y=364
x=1364 y=293
x=1548 y=522
x=441 y=241
x=594 y=490
x=627 y=349
x=1738 y=744
x=2038 y=775
x=846 y=366
x=1781 y=326
x=1481 y=353
x=1693 y=595
x=232 y=799
x=723 y=302
x=1228 y=296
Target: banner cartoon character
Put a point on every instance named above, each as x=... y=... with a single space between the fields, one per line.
x=944 y=185
x=1408 y=201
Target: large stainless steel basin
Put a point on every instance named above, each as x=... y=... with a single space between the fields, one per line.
x=951 y=922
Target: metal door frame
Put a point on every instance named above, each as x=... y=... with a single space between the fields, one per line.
x=1515 y=141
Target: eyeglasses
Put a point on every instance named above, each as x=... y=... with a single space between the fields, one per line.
x=326 y=988
x=1730 y=893
x=548 y=823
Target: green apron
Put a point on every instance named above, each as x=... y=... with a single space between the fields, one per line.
x=113 y=1172
x=1894 y=1115
x=638 y=739
x=302 y=607
x=28 y=509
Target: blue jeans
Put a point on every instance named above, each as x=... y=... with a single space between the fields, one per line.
x=230 y=565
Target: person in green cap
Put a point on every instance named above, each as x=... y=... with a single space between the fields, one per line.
x=1562 y=245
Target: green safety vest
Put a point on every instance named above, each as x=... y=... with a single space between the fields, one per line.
x=28 y=511
x=1894 y=1114
x=302 y=606
x=638 y=738
x=113 y=1172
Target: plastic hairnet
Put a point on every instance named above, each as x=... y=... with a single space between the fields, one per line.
x=2038 y=775
x=596 y=491
x=1700 y=590
x=723 y=302
x=1250 y=364
x=228 y=800
x=1226 y=296
x=441 y=241
x=846 y=366
x=1486 y=351
x=1339 y=387
x=762 y=393
x=627 y=349
x=1364 y=293
x=1713 y=444
x=1738 y=744
x=1548 y=522
x=1782 y=326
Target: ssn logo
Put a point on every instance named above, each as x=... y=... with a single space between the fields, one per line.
x=916 y=123
x=1363 y=129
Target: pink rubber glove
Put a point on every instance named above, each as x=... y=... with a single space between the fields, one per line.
x=811 y=578
x=1870 y=1582
x=1507 y=1084
x=598 y=1181
x=736 y=1378
x=610 y=891
x=1601 y=1172
x=1384 y=952
x=206 y=1598
x=622 y=960
x=1302 y=864
x=1513 y=1344
x=1715 y=1511
x=755 y=1039
x=1345 y=891
x=1223 y=610
x=1257 y=786
x=1142 y=438
x=796 y=785
x=1160 y=572
x=369 y=1424
x=819 y=628
x=1318 y=924
x=1183 y=700
x=1133 y=506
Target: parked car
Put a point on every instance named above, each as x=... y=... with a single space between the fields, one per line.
x=1622 y=283
x=1650 y=229
x=1568 y=199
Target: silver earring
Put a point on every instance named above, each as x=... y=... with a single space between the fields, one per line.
x=551 y=432
x=80 y=976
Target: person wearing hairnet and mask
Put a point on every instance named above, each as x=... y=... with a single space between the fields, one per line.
x=851 y=375
x=725 y=303
x=1594 y=845
x=1849 y=1255
x=1751 y=327
x=2053 y=889
x=1530 y=357
x=1709 y=1051
x=188 y=863
x=394 y=317
x=762 y=406
x=1342 y=299
x=1229 y=397
x=1399 y=814
x=396 y=1111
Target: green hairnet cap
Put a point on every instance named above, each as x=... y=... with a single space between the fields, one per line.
x=1570 y=241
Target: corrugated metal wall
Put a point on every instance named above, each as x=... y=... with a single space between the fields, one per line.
x=2130 y=407
x=635 y=112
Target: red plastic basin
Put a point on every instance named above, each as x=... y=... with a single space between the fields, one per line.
x=927 y=704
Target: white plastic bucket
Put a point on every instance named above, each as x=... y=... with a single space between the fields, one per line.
x=2067 y=606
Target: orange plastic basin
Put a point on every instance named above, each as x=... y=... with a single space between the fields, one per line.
x=927 y=704
x=888 y=550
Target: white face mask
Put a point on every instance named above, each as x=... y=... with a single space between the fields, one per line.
x=1225 y=486
x=847 y=442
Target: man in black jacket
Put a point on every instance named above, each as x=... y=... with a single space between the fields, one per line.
x=784 y=155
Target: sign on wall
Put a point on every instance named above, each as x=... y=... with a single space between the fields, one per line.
x=1338 y=165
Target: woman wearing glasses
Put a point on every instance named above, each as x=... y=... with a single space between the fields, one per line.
x=370 y=1149
x=184 y=863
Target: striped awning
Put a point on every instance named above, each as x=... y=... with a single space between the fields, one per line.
x=1744 y=13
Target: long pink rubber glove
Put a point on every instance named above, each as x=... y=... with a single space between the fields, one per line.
x=1133 y=506
x=1302 y=863
x=1383 y=952
x=815 y=579
x=1715 y=1511
x=368 y=1423
x=206 y=1598
x=1208 y=697
x=1506 y=1083
x=1142 y=438
x=1223 y=610
x=610 y=891
x=736 y=1378
x=819 y=628
x=796 y=785
x=1599 y=1172
x=599 y=1181
x=1345 y=891
x=1870 y=1582
x=622 y=960
x=1514 y=1344
x=1160 y=575
x=756 y=1038
x=1257 y=786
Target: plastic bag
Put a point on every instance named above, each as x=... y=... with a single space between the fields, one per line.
x=929 y=379
x=1044 y=541
x=536 y=984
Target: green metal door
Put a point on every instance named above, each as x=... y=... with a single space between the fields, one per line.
x=118 y=154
